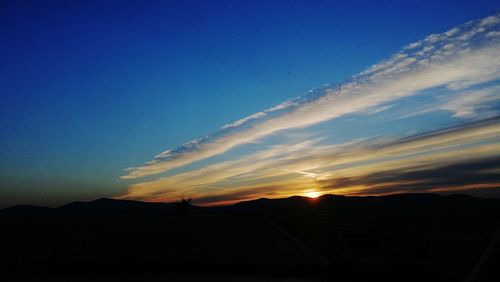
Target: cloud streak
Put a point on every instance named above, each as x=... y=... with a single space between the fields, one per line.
x=462 y=57
x=465 y=175
x=355 y=167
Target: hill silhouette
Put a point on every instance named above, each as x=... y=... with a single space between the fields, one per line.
x=421 y=202
x=410 y=237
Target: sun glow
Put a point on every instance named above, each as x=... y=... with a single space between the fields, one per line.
x=312 y=194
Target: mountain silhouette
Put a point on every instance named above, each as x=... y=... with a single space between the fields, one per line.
x=404 y=237
x=294 y=205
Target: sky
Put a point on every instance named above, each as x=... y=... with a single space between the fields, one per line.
x=224 y=101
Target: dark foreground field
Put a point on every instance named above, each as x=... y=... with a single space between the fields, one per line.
x=413 y=237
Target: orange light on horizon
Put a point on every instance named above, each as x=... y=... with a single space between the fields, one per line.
x=312 y=194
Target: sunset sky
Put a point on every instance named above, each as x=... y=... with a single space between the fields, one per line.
x=224 y=101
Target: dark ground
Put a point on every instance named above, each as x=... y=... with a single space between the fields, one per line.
x=413 y=237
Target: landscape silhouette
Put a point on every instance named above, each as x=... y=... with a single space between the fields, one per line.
x=405 y=237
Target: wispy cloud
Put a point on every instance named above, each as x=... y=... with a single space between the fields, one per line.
x=472 y=174
x=472 y=103
x=355 y=167
x=460 y=58
x=468 y=104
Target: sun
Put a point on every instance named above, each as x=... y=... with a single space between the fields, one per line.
x=312 y=194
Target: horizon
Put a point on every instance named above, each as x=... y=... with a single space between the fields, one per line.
x=311 y=199
x=230 y=102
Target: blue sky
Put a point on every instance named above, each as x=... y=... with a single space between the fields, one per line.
x=91 y=88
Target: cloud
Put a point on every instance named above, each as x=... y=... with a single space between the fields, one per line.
x=291 y=169
x=212 y=174
x=462 y=176
x=476 y=104
x=462 y=57
x=467 y=104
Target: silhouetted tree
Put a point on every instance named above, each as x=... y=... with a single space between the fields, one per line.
x=186 y=200
x=184 y=204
